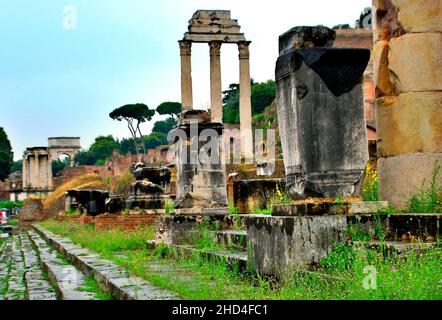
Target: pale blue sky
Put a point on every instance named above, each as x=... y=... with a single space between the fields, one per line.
x=58 y=82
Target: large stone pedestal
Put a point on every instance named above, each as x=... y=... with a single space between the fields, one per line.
x=200 y=167
x=321 y=114
x=281 y=245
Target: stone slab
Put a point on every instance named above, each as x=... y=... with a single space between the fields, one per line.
x=329 y=208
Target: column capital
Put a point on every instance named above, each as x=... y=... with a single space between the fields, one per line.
x=215 y=48
x=185 y=47
x=243 y=47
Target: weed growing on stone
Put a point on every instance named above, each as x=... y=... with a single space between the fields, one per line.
x=371 y=186
x=169 y=207
x=428 y=199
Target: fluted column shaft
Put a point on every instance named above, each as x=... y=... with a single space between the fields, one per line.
x=186 y=75
x=215 y=82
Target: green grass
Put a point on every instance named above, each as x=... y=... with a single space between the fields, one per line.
x=13 y=222
x=92 y=286
x=340 y=275
x=104 y=242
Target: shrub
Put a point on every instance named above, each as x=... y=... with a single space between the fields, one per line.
x=122 y=186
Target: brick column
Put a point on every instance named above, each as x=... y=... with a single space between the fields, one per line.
x=408 y=83
x=245 y=101
x=216 y=107
x=186 y=75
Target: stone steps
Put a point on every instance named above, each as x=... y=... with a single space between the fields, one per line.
x=37 y=285
x=109 y=276
x=396 y=247
x=69 y=282
x=232 y=239
x=15 y=283
x=5 y=259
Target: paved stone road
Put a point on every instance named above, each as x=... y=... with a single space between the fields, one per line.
x=42 y=266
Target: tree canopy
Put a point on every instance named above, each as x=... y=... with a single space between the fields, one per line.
x=155 y=139
x=164 y=126
x=101 y=149
x=135 y=115
x=6 y=155
x=263 y=94
x=169 y=108
x=17 y=166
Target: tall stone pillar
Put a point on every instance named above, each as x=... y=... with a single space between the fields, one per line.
x=245 y=102
x=408 y=83
x=215 y=82
x=49 y=172
x=186 y=75
x=37 y=175
x=25 y=170
x=320 y=106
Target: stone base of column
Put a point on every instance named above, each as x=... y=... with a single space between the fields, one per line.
x=199 y=183
x=400 y=177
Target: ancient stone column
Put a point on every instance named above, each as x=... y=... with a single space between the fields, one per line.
x=215 y=82
x=25 y=174
x=186 y=75
x=49 y=172
x=245 y=102
x=408 y=83
x=37 y=174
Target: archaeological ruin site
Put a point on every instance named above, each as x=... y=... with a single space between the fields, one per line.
x=324 y=183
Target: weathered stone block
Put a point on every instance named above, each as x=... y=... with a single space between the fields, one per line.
x=306 y=37
x=382 y=82
x=32 y=210
x=415 y=61
x=255 y=194
x=401 y=176
x=178 y=229
x=386 y=23
x=279 y=245
x=321 y=120
x=419 y=15
x=409 y=123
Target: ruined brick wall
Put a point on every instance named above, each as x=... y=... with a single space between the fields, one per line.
x=407 y=58
x=5 y=190
x=129 y=222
